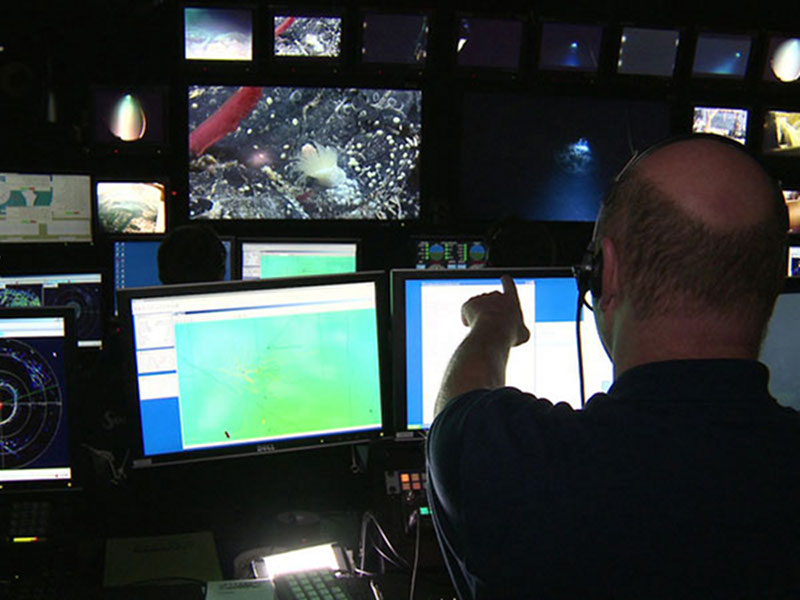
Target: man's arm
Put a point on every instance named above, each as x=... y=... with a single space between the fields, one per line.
x=496 y=325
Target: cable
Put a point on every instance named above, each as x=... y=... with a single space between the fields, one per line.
x=396 y=560
x=418 y=526
x=580 y=350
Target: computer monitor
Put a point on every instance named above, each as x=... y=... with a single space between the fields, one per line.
x=779 y=350
x=490 y=43
x=781 y=136
x=793 y=261
x=37 y=361
x=136 y=261
x=394 y=38
x=721 y=55
x=570 y=47
x=217 y=33
x=264 y=258
x=651 y=52
x=304 y=153
x=306 y=35
x=251 y=367
x=45 y=207
x=81 y=291
x=427 y=328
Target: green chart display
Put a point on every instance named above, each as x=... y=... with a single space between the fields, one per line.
x=299 y=265
x=278 y=376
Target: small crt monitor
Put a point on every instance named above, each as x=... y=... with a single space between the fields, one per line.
x=794 y=261
x=427 y=328
x=306 y=36
x=488 y=42
x=724 y=121
x=442 y=252
x=779 y=350
x=252 y=367
x=45 y=207
x=264 y=259
x=131 y=207
x=568 y=47
x=37 y=361
x=80 y=291
x=781 y=136
x=129 y=116
x=783 y=60
x=394 y=38
x=722 y=56
x=648 y=51
x=217 y=33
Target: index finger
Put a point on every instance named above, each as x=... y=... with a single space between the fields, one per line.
x=510 y=288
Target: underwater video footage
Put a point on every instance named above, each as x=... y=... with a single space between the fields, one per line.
x=304 y=153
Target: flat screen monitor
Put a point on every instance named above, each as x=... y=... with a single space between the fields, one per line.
x=444 y=252
x=723 y=56
x=131 y=207
x=567 y=47
x=781 y=133
x=251 y=367
x=304 y=153
x=488 y=42
x=427 y=328
x=45 y=207
x=136 y=262
x=394 y=38
x=81 y=291
x=648 y=51
x=218 y=33
x=560 y=168
x=265 y=259
x=719 y=120
x=37 y=360
x=307 y=36
x=779 y=350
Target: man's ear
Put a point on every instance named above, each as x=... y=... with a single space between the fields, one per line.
x=610 y=275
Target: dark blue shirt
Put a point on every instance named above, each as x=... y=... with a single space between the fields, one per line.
x=682 y=482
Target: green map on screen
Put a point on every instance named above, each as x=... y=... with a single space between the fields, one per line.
x=298 y=265
x=250 y=379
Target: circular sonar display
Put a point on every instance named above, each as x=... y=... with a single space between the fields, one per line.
x=85 y=300
x=30 y=404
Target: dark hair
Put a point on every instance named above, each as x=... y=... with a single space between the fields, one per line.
x=676 y=264
x=191 y=254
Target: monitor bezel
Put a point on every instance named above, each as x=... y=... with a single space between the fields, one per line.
x=142 y=460
x=100 y=233
x=219 y=64
x=378 y=66
x=398 y=277
x=241 y=241
x=78 y=474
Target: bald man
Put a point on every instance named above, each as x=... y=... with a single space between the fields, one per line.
x=683 y=481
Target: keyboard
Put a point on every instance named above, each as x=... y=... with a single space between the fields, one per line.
x=322 y=584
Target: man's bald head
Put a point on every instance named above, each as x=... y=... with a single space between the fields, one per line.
x=700 y=230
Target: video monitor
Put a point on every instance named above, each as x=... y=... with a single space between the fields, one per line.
x=719 y=55
x=45 y=207
x=793 y=262
x=304 y=153
x=266 y=259
x=218 y=33
x=427 y=328
x=648 y=51
x=779 y=350
x=781 y=133
x=724 y=121
x=301 y=36
x=393 y=38
x=81 y=291
x=253 y=367
x=131 y=207
x=37 y=361
x=567 y=47
x=560 y=168
x=128 y=116
x=442 y=252
x=136 y=262
x=792 y=198
x=489 y=43
x=783 y=60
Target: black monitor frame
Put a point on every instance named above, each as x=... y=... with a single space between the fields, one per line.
x=140 y=459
